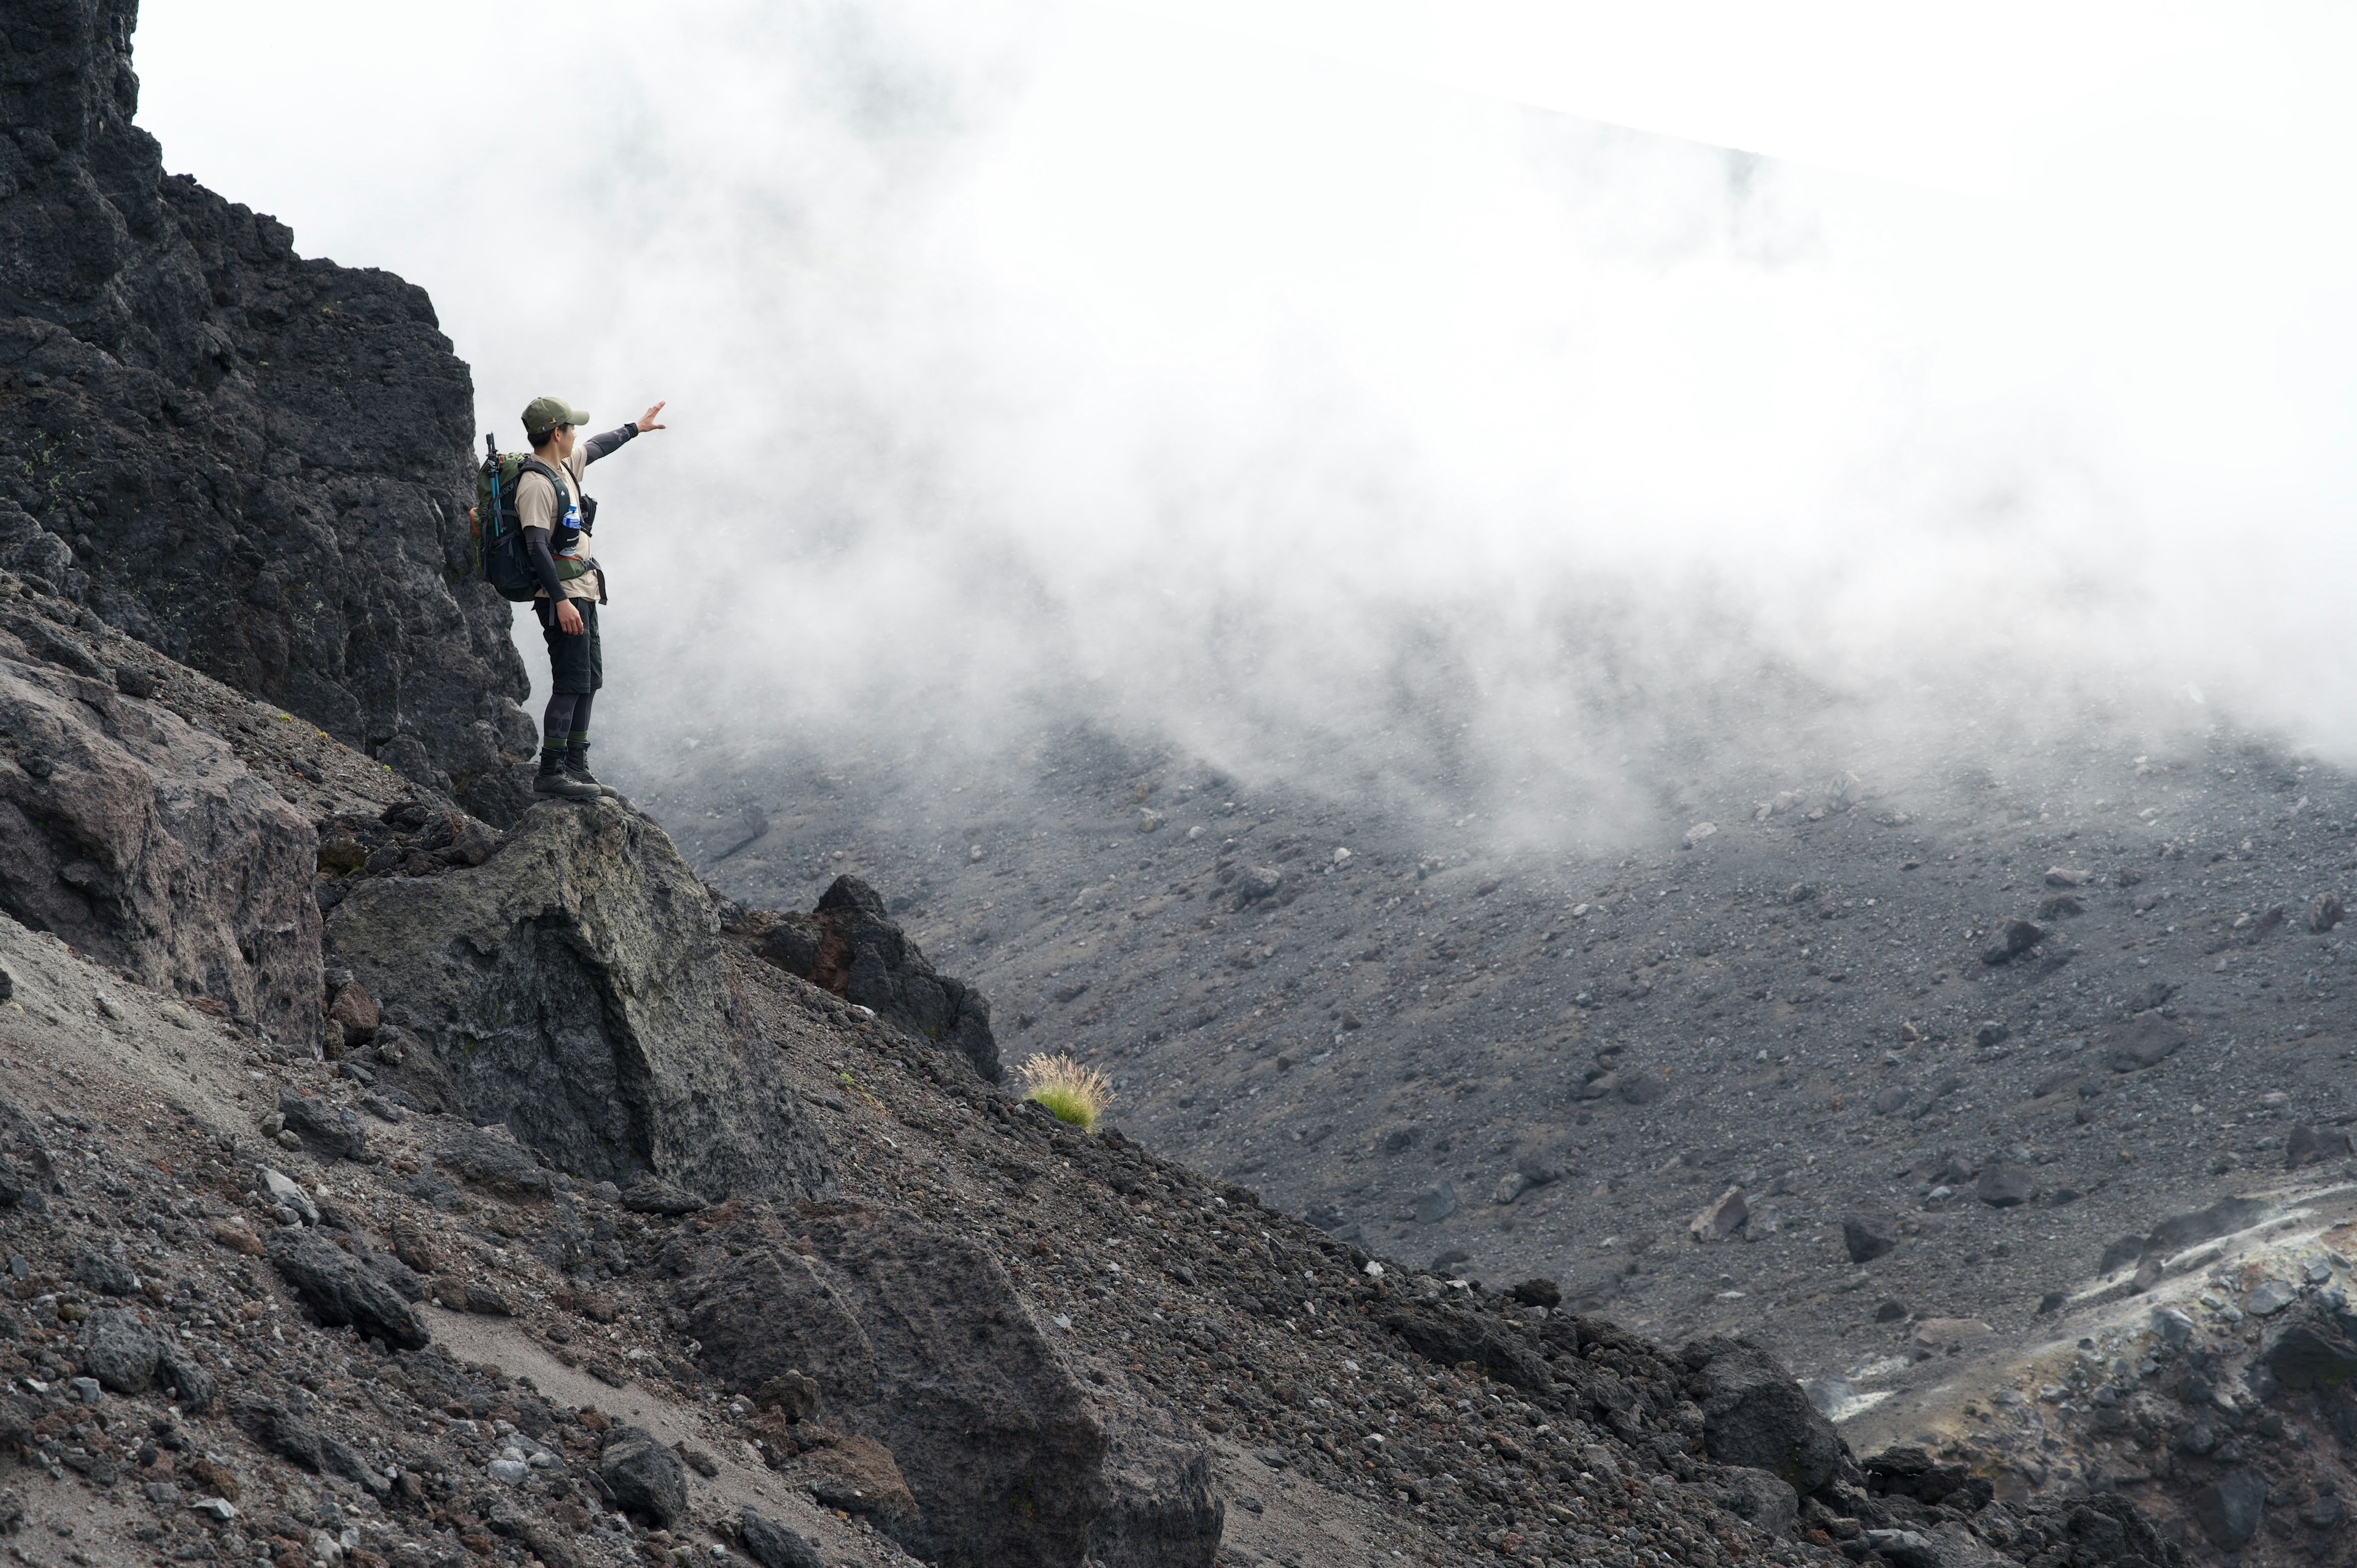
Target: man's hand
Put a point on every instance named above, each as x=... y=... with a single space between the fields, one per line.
x=647 y=420
x=568 y=619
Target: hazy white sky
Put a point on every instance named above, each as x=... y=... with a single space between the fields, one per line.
x=1191 y=353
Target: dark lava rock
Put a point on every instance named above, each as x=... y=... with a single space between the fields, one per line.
x=119 y=1352
x=339 y=1290
x=234 y=412
x=2013 y=938
x=2314 y=1145
x=645 y=1479
x=1766 y=1501
x=2231 y=1510
x=918 y=1339
x=1451 y=1335
x=774 y=1546
x=491 y=1159
x=592 y=1016
x=1538 y=1292
x=1435 y=1203
x=1754 y=1414
x=326 y=1129
x=27 y=1171
x=1891 y=1311
x=648 y=1197
x=2005 y=1185
x=2311 y=1351
x=105 y=1275
x=1868 y=1236
x=2145 y=1040
x=290 y=1437
x=851 y=946
x=2325 y=911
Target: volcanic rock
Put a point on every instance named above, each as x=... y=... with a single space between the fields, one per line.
x=851 y=946
x=589 y=1012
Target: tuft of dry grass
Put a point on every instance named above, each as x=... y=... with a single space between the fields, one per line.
x=1071 y=1091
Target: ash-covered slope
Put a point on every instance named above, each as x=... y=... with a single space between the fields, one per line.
x=254 y=462
x=1915 y=1131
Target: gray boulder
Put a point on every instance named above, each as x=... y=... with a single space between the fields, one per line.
x=575 y=988
x=773 y=1545
x=1767 y=1500
x=119 y=1352
x=2231 y=1509
x=491 y=1159
x=916 y=1339
x=326 y=1128
x=338 y=1290
x=646 y=1479
x=1754 y=1414
x=146 y=844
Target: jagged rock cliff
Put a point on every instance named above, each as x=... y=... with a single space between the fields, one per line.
x=254 y=462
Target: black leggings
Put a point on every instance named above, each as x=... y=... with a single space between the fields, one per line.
x=568 y=713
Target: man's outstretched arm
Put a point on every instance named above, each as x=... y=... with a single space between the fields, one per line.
x=601 y=445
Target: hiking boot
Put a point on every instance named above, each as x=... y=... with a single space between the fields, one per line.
x=577 y=768
x=553 y=780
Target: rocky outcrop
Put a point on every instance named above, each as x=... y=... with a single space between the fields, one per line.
x=574 y=987
x=146 y=843
x=918 y=1340
x=256 y=463
x=850 y=945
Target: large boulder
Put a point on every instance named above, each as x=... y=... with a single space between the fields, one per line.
x=257 y=463
x=850 y=945
x=916 y=1339
x=1756 y=1414
x=146 y=843
x=575 y=988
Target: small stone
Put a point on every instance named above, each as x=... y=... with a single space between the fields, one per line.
x=220 y=1509
x=2005 y=1185
x=1868 y=1236
x=510 y=1472
x=109 y=1006
x=380 y=1108
x=287 y=1190
x=1991 y=1033
x=2269 y=1297
x=1435 y=1203
x=645 y=1479
x=356 y=1011
x=648 y=1196
x=230 y=1233
x=1938 y=1333
x=86 y=1390
x=1890 y=1311
x=1510 y=1187
x=2145 y=1040
x=2314 y=1145
x=163 y=1493
x=1889 y=1098
x=109 y=1276
x=2065 y=877
x=1700 y=832
x=1722 y=1218
x=2324 y=912
x=2013 y=938
x=2173 y=1326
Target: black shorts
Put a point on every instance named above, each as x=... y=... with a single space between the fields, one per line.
x=577 y=664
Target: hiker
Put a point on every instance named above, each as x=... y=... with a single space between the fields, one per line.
x=557 y=519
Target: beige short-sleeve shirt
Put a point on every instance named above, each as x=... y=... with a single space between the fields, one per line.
x=537 y=506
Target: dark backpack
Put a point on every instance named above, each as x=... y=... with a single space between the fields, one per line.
x=498 y=534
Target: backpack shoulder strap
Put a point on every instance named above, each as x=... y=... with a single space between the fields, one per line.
x=534 y=466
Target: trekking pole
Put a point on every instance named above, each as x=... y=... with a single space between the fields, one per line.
x=491 y=448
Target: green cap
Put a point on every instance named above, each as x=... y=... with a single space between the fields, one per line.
x=542 y=415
